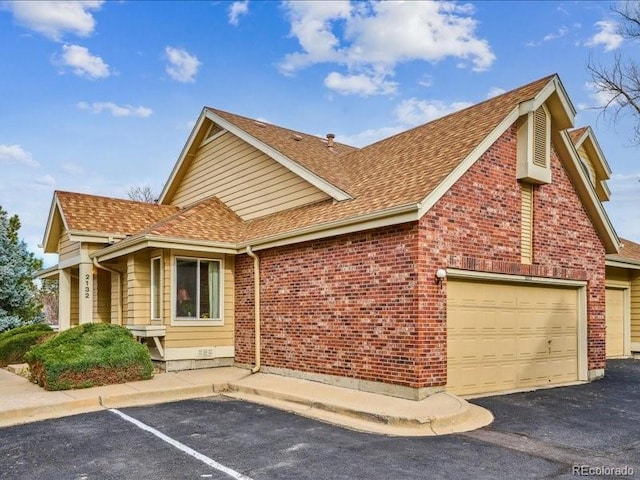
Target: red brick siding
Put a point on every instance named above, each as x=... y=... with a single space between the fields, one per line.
x=366 y=305
x=342 y=306
x=244 y=323
x=476 y=226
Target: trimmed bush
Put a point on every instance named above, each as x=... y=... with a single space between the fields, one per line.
x=87 y=356
x=15 y=343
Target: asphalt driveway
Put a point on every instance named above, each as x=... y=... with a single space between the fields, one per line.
x=543 y=434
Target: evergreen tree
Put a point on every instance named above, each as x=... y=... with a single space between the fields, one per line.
x=18 y=293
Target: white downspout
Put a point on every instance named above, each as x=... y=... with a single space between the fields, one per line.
x=256 y=296
x=119 y=277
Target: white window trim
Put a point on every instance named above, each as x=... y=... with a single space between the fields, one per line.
x=189 y=321
x=161 y=287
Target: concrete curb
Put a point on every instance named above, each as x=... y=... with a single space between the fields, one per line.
x=467 y=417
x=173 y=394
x=54 y=410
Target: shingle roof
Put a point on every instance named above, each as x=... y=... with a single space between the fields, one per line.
x=577 y=133
x=630 y=250
x=307 y=150
x=397 y=171
x=209 y=219
x=93 y=213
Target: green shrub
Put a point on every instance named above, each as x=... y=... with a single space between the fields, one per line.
x=16 y=342
x=89 y=355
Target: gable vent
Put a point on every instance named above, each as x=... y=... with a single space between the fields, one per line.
x=534 y=146
x=540 y=139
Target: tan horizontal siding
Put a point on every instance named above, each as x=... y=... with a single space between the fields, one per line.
x=67 y=249
x=202 y=335
x=251 y=183
x=635 y=309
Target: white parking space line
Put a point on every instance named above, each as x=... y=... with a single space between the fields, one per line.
x=181 y=446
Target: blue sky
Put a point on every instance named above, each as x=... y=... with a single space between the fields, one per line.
x=101 y=96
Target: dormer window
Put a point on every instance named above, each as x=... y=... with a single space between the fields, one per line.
x=534 y=147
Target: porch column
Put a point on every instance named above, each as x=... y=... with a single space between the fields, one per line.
x=64 y=299
x=86 y=293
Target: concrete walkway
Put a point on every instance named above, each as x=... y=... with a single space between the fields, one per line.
x=22 y=401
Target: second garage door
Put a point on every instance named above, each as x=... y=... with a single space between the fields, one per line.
x=615 y=322
x=503 y=337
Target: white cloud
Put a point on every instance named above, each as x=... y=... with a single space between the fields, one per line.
x=367 y=137
x=82 y=63
x=236 y=10
x=408 y=113
x=562 y=31
x=54 y=18
x=360 y=84
x=115 y=110
x=46 y=181
x=15 y=154
x=415 y=112
x=377 y=36
x=72 y=168
x=182 y=66
x=608 y=36
x=600 y=98
x=495 y=91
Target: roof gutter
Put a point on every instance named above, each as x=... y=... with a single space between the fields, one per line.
x=256 y=303
x=390 y=216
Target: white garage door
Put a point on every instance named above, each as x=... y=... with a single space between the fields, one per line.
x=503 y=337
x=615 y=322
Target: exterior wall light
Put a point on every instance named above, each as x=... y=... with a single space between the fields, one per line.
x=441 y=274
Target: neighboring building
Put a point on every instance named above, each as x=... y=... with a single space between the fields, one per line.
x=623 y=300
x=466 y=254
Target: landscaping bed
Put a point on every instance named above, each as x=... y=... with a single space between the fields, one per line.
x=87 y=356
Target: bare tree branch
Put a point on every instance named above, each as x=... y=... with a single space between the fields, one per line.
x=142 y=193
x=618 y=86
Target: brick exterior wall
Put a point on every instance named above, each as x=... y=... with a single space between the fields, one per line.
x=366 y=306
x=476 y=226
x=342 y=306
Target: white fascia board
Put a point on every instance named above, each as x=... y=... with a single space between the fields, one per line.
x=620 y=263
x=600 y=154
x=430 y=200
x=148 y=241
x=543 y=95
x=283 y=160
x=183 y=155
x=590 y=189
x=93 y=237
x=47 y=273
x=70 y=262
x=383 y=218
x=55 y=204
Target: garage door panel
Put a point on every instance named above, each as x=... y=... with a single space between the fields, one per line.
x=470 y=378
x=485 y=350
x=614 y=306
x=503 y=337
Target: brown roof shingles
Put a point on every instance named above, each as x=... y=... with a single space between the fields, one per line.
x=397 y=171
x=630 y=250
x=93 y=213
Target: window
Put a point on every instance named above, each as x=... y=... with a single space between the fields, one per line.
x=198 y=289
x=156 y=288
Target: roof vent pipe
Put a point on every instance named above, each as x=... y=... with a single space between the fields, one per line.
x=330 y=137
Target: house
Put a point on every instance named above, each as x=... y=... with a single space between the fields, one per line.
x=623 y=300
x=467 y=254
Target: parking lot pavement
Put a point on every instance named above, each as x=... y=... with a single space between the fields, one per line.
x=602 y=417
x=539 y=434
x=256 y=441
